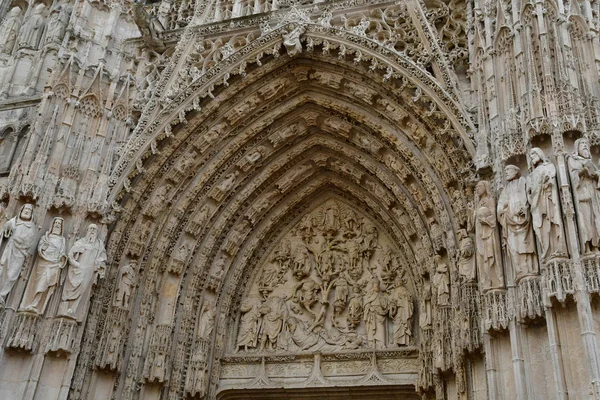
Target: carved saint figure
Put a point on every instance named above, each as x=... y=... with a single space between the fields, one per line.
x=126 y=282
x=57 y=23
x=20 y=231
x=44 y=278
x=487 y=241
x=585 y=179
x=249 y=324
x=9 y=30
x=401 y=310
x=274 y=313
x=157 y=202
x=207 y=320
x=425 y=306
x=466 y=258
x=375 y=310
x=33 y=27
x=87 y=260
x=355 y=309
x=542 y=194
x=513 y=214
x=441 y=281
x=292 y=42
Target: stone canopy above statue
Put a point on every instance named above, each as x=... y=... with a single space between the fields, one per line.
x=333 y=282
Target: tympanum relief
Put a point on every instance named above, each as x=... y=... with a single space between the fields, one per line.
x=333 y=282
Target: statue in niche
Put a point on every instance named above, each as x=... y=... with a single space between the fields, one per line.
x=466 y=257
x=9 y=30
x=437 y=235
x=226 y=185
x=126 y=281
x=32 y=29
x=375 y=309
x=57 y=23
x=401 y=310
x=274 y=314
x=355 y=308
x=44 y=278
x=207 y=320
x=585 y=179
x=441 y=281
x=542 y=194
x=87 y=263
x=249 y=324
x=199 y=220
x=21 y=232
x=513 y=214
x=425 y=306
x=487 y=241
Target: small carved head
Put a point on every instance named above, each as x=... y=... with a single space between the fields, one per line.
x=26 y=212
x=537 y=156
x=91 y=233
x=511 y=172
x=57 y=226
x=582 y=147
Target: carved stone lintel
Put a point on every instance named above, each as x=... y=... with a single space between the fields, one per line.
x=63 y=336
x=23 y=331
x=496 y=313
x=557 y=278
x=530 y=305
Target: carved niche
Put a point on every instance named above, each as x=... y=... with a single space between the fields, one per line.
x=333 y=282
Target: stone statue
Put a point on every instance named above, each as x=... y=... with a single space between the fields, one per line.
x=33 y=27
x=441 y=281
x=44 y=278
x=249 y=324
x=513 y=214
x=9 y=30
x=425 y=306
x=542 y=194
x=375 y=310
x=87 y=260
x=292 y=42
x=207 y=320
x=585 y=179
x=355 y=309
x=274 y=314
x=126 y=282
x=466 y=258
x=21 y=232
x=157 y=202
x=57 y=23
x=487 y=241
x=401 y=310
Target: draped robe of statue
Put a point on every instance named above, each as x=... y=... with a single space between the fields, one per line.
x=57 y=23
x=375 y=310
x=585 y=179
x=401 y=310
x=487 y=241
x=542 y=193
x=87 y=260
x=46 y=271
x=21 y=233
x=32 y=29
x=9 y=30
x=514 y=216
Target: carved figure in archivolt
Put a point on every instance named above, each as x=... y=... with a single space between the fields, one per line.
x=157 y=202
x=441 y=282
x=207 y=320
x=44 y=278
x=425 y=306
x=9 y=30
x=514 y=216
x=542 y=193
x=21 y=232
x=87 y=263
x=249 y=323
x=33 y=27
x=585 y=179
x=487 y=240
x=401 y=310
x=125 y=284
